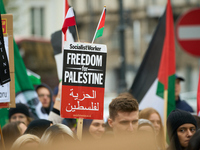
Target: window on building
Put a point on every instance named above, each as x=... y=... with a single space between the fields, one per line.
x=37 y=21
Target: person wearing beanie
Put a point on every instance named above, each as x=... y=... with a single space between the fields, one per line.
x=181 y=126
x=45 y=96
x=20 y=113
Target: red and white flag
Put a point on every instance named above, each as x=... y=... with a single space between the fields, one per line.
x=198 y=97
x=69 y=20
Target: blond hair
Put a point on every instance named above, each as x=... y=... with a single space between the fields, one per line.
x=57 y=133
x=25 y=139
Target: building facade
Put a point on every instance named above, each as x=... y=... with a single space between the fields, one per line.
x=41 y=18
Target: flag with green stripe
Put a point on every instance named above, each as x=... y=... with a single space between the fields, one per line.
x=146 y=87
x=24 y=90
x=100 y=27
x=166 y=73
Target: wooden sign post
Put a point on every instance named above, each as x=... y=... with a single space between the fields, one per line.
x=80 y=128
x=2 y=140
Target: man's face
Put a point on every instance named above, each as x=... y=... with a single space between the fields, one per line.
x=125 y=122
x=185 y=132
x=177 y=87
x=44 y=96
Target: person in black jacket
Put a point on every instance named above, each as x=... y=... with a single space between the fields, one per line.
x=181 y=104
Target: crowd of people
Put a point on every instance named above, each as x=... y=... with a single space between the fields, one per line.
x=126 y=128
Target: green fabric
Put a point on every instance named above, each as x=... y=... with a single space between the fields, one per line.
x=2 y=9
x=171 y=105
x=3 y=116
x=22 y=81
x=99 y=33
x=3 y=111
x=34 y=80
x=160 y=90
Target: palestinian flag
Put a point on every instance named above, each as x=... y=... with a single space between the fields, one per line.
x=166 y=74
x=34 y=77
x=24 y=90
x=100 y=27
x=156 y=73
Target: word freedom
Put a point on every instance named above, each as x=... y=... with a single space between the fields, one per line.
x=83 y=76
x=84 y=59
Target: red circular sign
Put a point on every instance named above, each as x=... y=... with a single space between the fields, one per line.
x=188 y=31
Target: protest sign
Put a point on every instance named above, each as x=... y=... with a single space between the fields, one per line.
x=4 y=65
x=7 y=90
x=83 y=80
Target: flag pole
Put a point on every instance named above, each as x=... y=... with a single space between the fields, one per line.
x=165 y=113
x=79 y=128
x=98 y=23
x=77 y=33
x=2 y=140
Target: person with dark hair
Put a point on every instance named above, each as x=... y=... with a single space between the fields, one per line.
x=125 y=94
x=181 y=104
x=123 y=115
x=45 y=96
x=20 y=113
x=181 y=126
x=93 y=129
x=70 y=122
x=194 y=143
x=37 y=127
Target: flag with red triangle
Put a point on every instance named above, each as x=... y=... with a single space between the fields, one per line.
x=157 y=70
x=166 y=74
x=100 y=27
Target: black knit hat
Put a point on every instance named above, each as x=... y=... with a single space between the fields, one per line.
x=20 y=108
x=177 y=118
